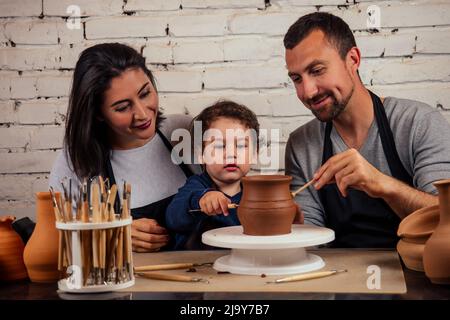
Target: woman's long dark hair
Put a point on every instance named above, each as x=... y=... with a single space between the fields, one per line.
x=86 y=139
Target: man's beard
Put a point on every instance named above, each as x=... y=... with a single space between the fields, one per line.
x=334 y=110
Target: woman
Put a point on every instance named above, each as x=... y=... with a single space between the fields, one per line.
x=114 y=128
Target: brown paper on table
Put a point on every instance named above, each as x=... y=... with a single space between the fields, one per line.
x=356 y=261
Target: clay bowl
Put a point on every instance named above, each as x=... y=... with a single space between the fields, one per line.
x=266 y=207
x=414 y=231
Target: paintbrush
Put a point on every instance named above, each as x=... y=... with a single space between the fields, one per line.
x=230 y=206
x=60 y=236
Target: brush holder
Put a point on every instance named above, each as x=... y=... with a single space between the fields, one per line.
x=97 y=255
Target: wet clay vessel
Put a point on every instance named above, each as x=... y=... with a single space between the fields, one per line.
x=436 y=255
x=41 y=251
x=12 y=267
x=266 y=207
x=414 y=231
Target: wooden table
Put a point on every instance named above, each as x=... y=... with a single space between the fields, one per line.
x=418 y=288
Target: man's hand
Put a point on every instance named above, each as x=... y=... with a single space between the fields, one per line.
x=214 y=202
x=147 y=235
x=350 y=169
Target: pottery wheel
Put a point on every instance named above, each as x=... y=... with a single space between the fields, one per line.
x=269 y=255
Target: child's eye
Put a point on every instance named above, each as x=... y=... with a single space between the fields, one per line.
x=219 y=146
x=241 y=145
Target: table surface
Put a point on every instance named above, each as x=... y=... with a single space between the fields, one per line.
x=418 y=287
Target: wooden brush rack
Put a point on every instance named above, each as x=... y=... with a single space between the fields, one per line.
x=100 y=256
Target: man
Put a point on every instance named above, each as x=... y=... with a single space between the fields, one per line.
x=373 y=161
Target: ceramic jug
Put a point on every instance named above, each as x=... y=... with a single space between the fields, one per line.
x=266 y=207
x=414 y=231
x=12 y=267
x=436 y=255
x=41 y=251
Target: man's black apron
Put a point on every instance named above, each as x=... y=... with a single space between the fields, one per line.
x=359 y=220
x=155 y=210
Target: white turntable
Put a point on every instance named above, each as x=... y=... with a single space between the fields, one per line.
x=269 y=255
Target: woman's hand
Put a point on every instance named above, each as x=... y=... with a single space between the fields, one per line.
x=147 y=235
x=214 y=202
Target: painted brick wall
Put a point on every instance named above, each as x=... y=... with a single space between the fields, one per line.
x=200 y=50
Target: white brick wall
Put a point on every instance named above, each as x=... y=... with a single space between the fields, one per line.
x=200 y=51
x=20 y=8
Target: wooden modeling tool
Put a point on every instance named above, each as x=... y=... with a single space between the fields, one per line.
x=302 y=188
x=307 y=276
x=170 y=277
x=171 y=266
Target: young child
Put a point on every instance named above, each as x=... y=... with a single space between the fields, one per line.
x=226 y=153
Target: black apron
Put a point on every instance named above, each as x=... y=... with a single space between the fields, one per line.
x=359 y=220
x=155 y=210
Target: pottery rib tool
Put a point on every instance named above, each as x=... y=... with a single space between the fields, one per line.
x=86 y=235
x=230 y=206
x=112 y=200
x=307 y=276
x=170 y=277
x=302 y=188
x=127 y=233
x=111 y=234
x=96 y=217
x=171 y=266
x=102 y=232
x=120 y=242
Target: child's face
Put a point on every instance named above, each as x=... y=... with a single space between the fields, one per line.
x=227 y=152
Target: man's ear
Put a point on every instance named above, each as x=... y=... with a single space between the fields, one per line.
x=353 y=60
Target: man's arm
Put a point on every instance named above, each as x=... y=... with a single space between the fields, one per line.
x=404 y=199
x=350 y=169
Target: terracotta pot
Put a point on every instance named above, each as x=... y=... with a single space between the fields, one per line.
x=41 y=251
x=11 y=252
x=436 y=256
x=414 y=231
x=266 y=207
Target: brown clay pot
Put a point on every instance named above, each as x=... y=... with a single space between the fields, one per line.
x=414 y=231
x=41 y=251
x=12 y=267
x=266 y=207
x=436 y=255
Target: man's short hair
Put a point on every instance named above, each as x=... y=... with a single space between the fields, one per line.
x=337 y=32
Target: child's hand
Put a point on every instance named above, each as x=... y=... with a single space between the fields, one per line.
x=299 y=217
x=214 y=202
